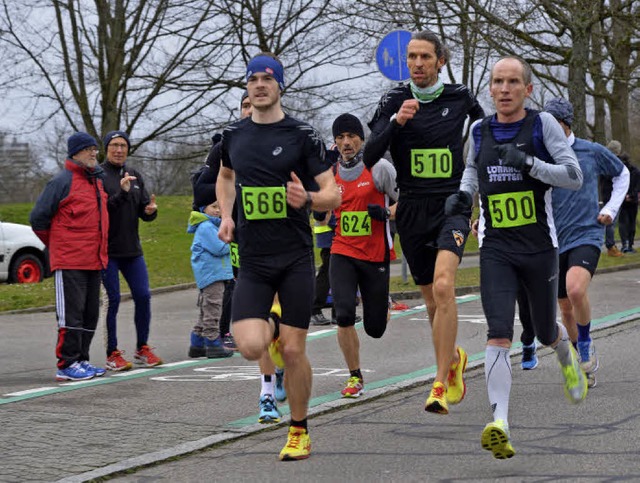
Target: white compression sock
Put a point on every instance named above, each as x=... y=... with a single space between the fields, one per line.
x=267 y=386
x=497 y=369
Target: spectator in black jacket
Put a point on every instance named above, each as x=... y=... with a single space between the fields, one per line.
x=629 y=207
x=128 y=202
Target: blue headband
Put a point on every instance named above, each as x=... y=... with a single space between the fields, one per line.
x=264 y=63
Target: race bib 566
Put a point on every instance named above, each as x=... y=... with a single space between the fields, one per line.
x=264 y=202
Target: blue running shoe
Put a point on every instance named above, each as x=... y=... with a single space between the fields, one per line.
x=97 y=371
x=529 y=357
x=75 y=372
x=268 y=410
x=280 y=393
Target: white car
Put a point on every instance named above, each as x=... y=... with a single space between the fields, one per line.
x=23 y=258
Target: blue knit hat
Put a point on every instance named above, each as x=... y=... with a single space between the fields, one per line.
x=561 y=109
x=79 y=141
x=116 y=134
x=265 y=63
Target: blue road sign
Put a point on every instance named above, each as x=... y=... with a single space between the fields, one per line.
x=391 y=55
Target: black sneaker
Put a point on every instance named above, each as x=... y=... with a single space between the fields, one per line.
x=216 y=350
x=319 y=319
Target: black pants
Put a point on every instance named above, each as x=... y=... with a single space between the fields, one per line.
x=322 y=281
x=77 y=309
x=347 y=274
x=627 y=223
x=225 y=318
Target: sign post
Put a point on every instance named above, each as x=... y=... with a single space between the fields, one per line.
x=391 y=55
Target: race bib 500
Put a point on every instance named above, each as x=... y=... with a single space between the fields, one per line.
x=509 y=210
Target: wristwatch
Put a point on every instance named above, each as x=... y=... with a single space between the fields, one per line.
x=307 y=205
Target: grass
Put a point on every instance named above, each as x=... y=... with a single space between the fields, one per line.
x=166 y=246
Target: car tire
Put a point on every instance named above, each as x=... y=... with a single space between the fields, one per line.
x=26 y=268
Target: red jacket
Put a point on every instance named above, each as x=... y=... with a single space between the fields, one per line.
x=71 y=218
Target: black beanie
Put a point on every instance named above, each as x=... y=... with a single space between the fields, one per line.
x=79 y=141
x=347 y=123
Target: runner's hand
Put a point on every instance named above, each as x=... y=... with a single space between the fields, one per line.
x=296 y=194
x=377 y=212
x=458 y=203
x=225 y=231
x=512 y=156
x=407 y=110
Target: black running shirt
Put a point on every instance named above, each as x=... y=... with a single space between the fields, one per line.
x=264 y=155
x=431 y=142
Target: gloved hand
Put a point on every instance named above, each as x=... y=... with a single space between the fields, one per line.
x=319 y=215
x=458 y=203
x=377 y=212
x=512 y=156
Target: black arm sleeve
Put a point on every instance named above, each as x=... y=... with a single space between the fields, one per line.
x=204 y=189
x=379 y=140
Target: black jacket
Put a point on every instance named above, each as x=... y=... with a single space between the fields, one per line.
x=125 y=209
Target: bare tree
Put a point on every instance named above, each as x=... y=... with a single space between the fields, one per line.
x=582 y=47
x=171 y=72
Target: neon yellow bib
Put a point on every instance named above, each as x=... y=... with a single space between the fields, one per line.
x=509 y=210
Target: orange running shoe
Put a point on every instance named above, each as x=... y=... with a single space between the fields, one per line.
x=115 y=362
x=146 y=357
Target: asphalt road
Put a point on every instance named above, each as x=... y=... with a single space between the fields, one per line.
x=204 y=412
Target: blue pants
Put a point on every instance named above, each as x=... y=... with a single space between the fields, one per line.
x=135 y=273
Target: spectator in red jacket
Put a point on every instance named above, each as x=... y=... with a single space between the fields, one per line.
x=70 y=217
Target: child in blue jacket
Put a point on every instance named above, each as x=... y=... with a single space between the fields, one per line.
x=211 y=264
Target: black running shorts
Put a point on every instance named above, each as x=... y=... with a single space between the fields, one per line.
x=502 y=273
x=290 y=275
x=585 y=256
x=424 y=229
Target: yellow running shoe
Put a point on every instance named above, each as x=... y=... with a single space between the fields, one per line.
x=456 y=388
x=276 y=309
x=437 y=400
x=275 y=354
x=575 y=380
x=495 y=438
x=298 y=445
x=354 y=387
x=274 y=346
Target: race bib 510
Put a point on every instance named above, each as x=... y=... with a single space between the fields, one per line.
x=431 y=163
